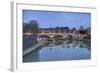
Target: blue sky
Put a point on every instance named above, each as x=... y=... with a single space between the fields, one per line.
x=48 y=19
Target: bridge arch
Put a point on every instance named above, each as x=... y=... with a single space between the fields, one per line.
x=43 y=36
x=69 y=36
x=57 y=37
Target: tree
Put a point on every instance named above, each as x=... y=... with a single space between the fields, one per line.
x=25 y=28
x=31 y=27
x=34 y=26
x=67 y=28
x=82 y=30
x=57 y=30
x=74 y=29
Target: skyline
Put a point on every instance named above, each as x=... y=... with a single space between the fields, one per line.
x=47 y=19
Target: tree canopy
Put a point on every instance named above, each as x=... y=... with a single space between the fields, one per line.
x=31 y=27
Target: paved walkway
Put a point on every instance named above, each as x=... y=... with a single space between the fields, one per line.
x=31 y=49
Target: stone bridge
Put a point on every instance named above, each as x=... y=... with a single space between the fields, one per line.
x=52 y=35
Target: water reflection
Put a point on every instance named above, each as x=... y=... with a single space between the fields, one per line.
x=69 y=43
x=55 y=50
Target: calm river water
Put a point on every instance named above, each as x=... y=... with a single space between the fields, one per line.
x=61 y=50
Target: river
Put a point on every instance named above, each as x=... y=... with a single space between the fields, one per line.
x=60 y=50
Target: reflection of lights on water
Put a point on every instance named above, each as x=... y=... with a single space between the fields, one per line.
x=66 y=44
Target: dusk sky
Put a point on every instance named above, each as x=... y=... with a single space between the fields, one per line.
x=48 y=19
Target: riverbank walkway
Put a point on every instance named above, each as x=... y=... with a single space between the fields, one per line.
x=31 y=49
